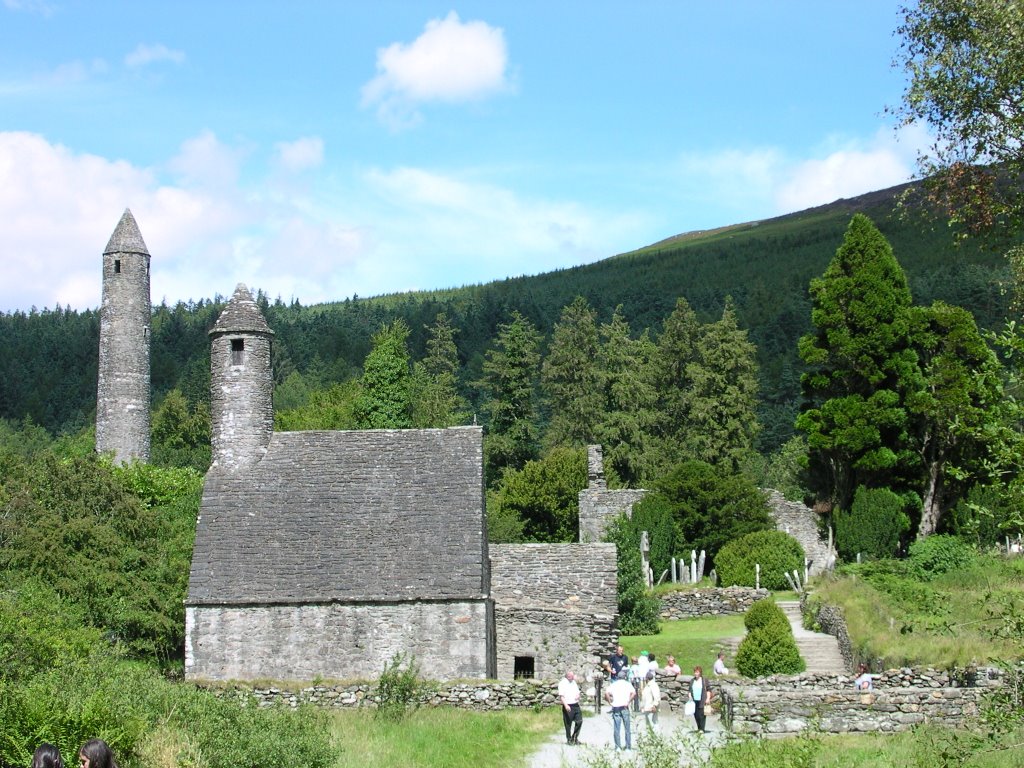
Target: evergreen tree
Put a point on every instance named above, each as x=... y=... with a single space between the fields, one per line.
x=569 y=377
x=956 y=412
x=383 y=402
x=629 y=407
x=434 y=386
x=722 y=419
x=675 y=355
x=180 y=435
x=510 y=380
x=861 y=365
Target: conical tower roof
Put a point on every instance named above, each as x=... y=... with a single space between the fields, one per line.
x=126 y=237
x=241 y=315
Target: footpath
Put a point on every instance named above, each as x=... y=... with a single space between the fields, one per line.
x=596 y=736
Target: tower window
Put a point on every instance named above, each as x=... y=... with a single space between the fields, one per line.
x=117 y=266
x=237 y=348
x=523 y=667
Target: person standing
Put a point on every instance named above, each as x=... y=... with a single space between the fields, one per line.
x=650 y=700
x=619 y=694
x=618 y=661
x=700 y=695
x=572 y=715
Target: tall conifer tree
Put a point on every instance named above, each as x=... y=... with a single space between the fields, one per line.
x=383 y=402
x=569 y=377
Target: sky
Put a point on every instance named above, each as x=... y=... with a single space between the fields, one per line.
x=324 y=150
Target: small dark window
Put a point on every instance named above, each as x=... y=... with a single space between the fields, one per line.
x=117 y=266
x=523 y=668
x=237 y=348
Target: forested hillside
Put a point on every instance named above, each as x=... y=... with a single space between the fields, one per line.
x=48 y=358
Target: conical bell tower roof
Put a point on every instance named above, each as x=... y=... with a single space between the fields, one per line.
x=126 y=237
x=241 y=315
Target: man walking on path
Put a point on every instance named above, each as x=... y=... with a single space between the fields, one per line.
x=572 y=716
x=619 y=694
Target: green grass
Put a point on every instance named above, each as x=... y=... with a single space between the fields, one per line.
x=954 y=619
x=443 y=737
x=691 y=641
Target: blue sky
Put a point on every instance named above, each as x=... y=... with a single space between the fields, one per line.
x=319 y=150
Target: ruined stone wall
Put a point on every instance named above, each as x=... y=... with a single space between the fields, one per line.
x=801 y=522
x=450 y=640
x=554 y=603
x=599 y=506
x=689 y=604
x=123 y=387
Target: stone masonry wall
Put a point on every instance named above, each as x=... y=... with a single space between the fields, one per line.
x=337 y=641
x=556 y=603
x=241 y=400
x=688 y=604
x=599 y=506
x=801 y=522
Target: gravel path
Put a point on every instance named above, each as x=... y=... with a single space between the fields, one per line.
x=597 y=734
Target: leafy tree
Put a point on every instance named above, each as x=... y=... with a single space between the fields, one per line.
x=965 y=67
x=332 y=408
x=861 y=365
x=570 y=377
x=510 y=382
x=383 y=402
x=180 y=434
x=544 y=495
x=638 y=608
x=434 y=386
x=654 y=514
x=783 y=470
x=712 y=505
x=873 y=526
x=629 y=399
x=956 y=412
x=722 y=398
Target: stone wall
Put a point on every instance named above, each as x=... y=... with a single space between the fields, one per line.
x=801 y=522
x=599 y=506
x=555 y=604
x=450 y=640
x=689 y=604
x=832 y=622
x=768 y=709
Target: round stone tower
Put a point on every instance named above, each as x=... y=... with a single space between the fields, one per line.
x=122 y=400
x=241 y=384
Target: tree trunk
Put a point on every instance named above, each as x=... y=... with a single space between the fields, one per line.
x=932 y=508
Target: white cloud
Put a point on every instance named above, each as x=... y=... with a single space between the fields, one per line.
x=41 y=7
x=205 y=161
x=149 y=54
x=450 y=62
x=301 y=154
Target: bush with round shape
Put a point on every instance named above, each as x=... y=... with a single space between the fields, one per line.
x=873 y=526
x=769 y=650
x=762 y=613
x=777 y=552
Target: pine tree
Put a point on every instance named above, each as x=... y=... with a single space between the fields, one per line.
x=722 y=419
x=383 y=402
x=569 y=377
x=510 y=381
x=861 y=366
x=676 y=353
x=629 y=402
x=434 y=386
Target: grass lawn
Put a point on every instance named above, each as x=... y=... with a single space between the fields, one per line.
x=691 y=641
x=442 y=736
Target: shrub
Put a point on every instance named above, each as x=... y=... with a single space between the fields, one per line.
x=777 y=552
x=873 y=526
x=398 y=687
x=638 y=608
x=769 y=650
x=762 y=613
x=939 y=554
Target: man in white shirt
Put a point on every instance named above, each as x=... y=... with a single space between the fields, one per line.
x=619 y=694
x=572 y=715
x=719 y=668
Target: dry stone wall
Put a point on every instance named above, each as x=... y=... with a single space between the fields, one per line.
x=599 y=506
x=801 y=522
x=689 y=604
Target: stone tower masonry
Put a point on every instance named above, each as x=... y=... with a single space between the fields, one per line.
x=123 y=389
x=241 y=384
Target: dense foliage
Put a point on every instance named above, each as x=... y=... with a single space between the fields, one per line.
x=874 y=525
x=638 y=609
x=776 y=552
x=769 y=647
x=762 y=613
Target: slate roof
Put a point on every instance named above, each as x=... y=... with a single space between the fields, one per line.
x=126 y=237
x=378 y=515
x=241 y=315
